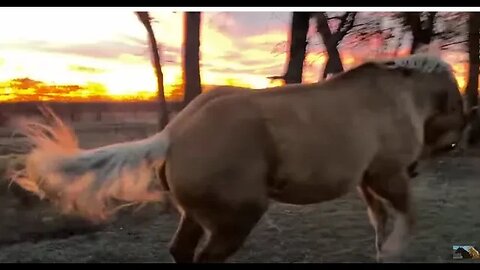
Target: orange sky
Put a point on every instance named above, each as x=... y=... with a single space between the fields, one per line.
x=106 y=53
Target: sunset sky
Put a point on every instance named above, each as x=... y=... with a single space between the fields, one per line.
x=109 y=49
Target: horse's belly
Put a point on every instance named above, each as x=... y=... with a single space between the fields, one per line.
x=310 y=192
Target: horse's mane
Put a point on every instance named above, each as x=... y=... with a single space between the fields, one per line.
x=422 y=63
x=425 y=63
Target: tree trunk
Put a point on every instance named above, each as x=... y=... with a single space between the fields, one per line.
x=473 y=58
x=191 y=56
x=298 y=47
x=334 y=62
x=421 y=35
x=473 y=70
x=331 y=40
x=144 y=17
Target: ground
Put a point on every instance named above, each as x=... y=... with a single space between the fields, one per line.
x=446 y=199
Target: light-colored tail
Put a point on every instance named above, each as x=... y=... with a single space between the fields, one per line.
x=93 y=182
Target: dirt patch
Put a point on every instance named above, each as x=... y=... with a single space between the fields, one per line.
x=446 y=198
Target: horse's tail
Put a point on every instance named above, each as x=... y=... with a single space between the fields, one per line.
x=90 y=182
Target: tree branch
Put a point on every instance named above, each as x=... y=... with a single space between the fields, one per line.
x=452 y=43
x=343 y=21
x=323 y=28
x=412 y=20
x=347 y=27
x=431 y=20
x=335 y=18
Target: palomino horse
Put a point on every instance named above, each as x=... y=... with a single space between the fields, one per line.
x=230 y=152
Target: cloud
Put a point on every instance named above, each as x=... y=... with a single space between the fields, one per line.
x=251 y=54
x=236 y=43
x=106 y=49
x=244 y=24
x=241 y=31
x=101 y=49
x=129 y=50
x=240 y=43
x=131 y=59
x=85 y=69
x=267 y=70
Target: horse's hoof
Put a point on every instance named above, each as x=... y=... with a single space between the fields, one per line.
x=390 y=254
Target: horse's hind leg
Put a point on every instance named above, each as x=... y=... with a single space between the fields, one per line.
x=228 y=231
x=395 y=189
x=377 y=214
x=185 y=240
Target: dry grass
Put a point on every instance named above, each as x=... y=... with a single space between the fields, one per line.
x=9 y=163
x=14 y=161
x=446 y=196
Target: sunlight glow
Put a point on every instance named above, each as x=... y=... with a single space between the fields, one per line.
x=69 y=54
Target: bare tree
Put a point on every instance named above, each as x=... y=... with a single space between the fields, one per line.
x=380 y=26
x=473 y=70
x=422 y=31
x=191 y=56
x=331 y=39
x=473 y=58
x=451 y=29
x=298 y=46
x=473 y=28
x=145 y=19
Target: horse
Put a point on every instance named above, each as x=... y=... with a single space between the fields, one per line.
x=232 y=151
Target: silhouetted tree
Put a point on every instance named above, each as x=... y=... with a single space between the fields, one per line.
x=298 y=46
x=331 y=39
x=298 y=43
x=473 y=58
x=145 y=19
x=422 y=31
x=191 y=56
x=473 y=71
x=383 y=27
x=451 y=29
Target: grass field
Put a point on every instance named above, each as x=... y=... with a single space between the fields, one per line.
x=446 y=197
